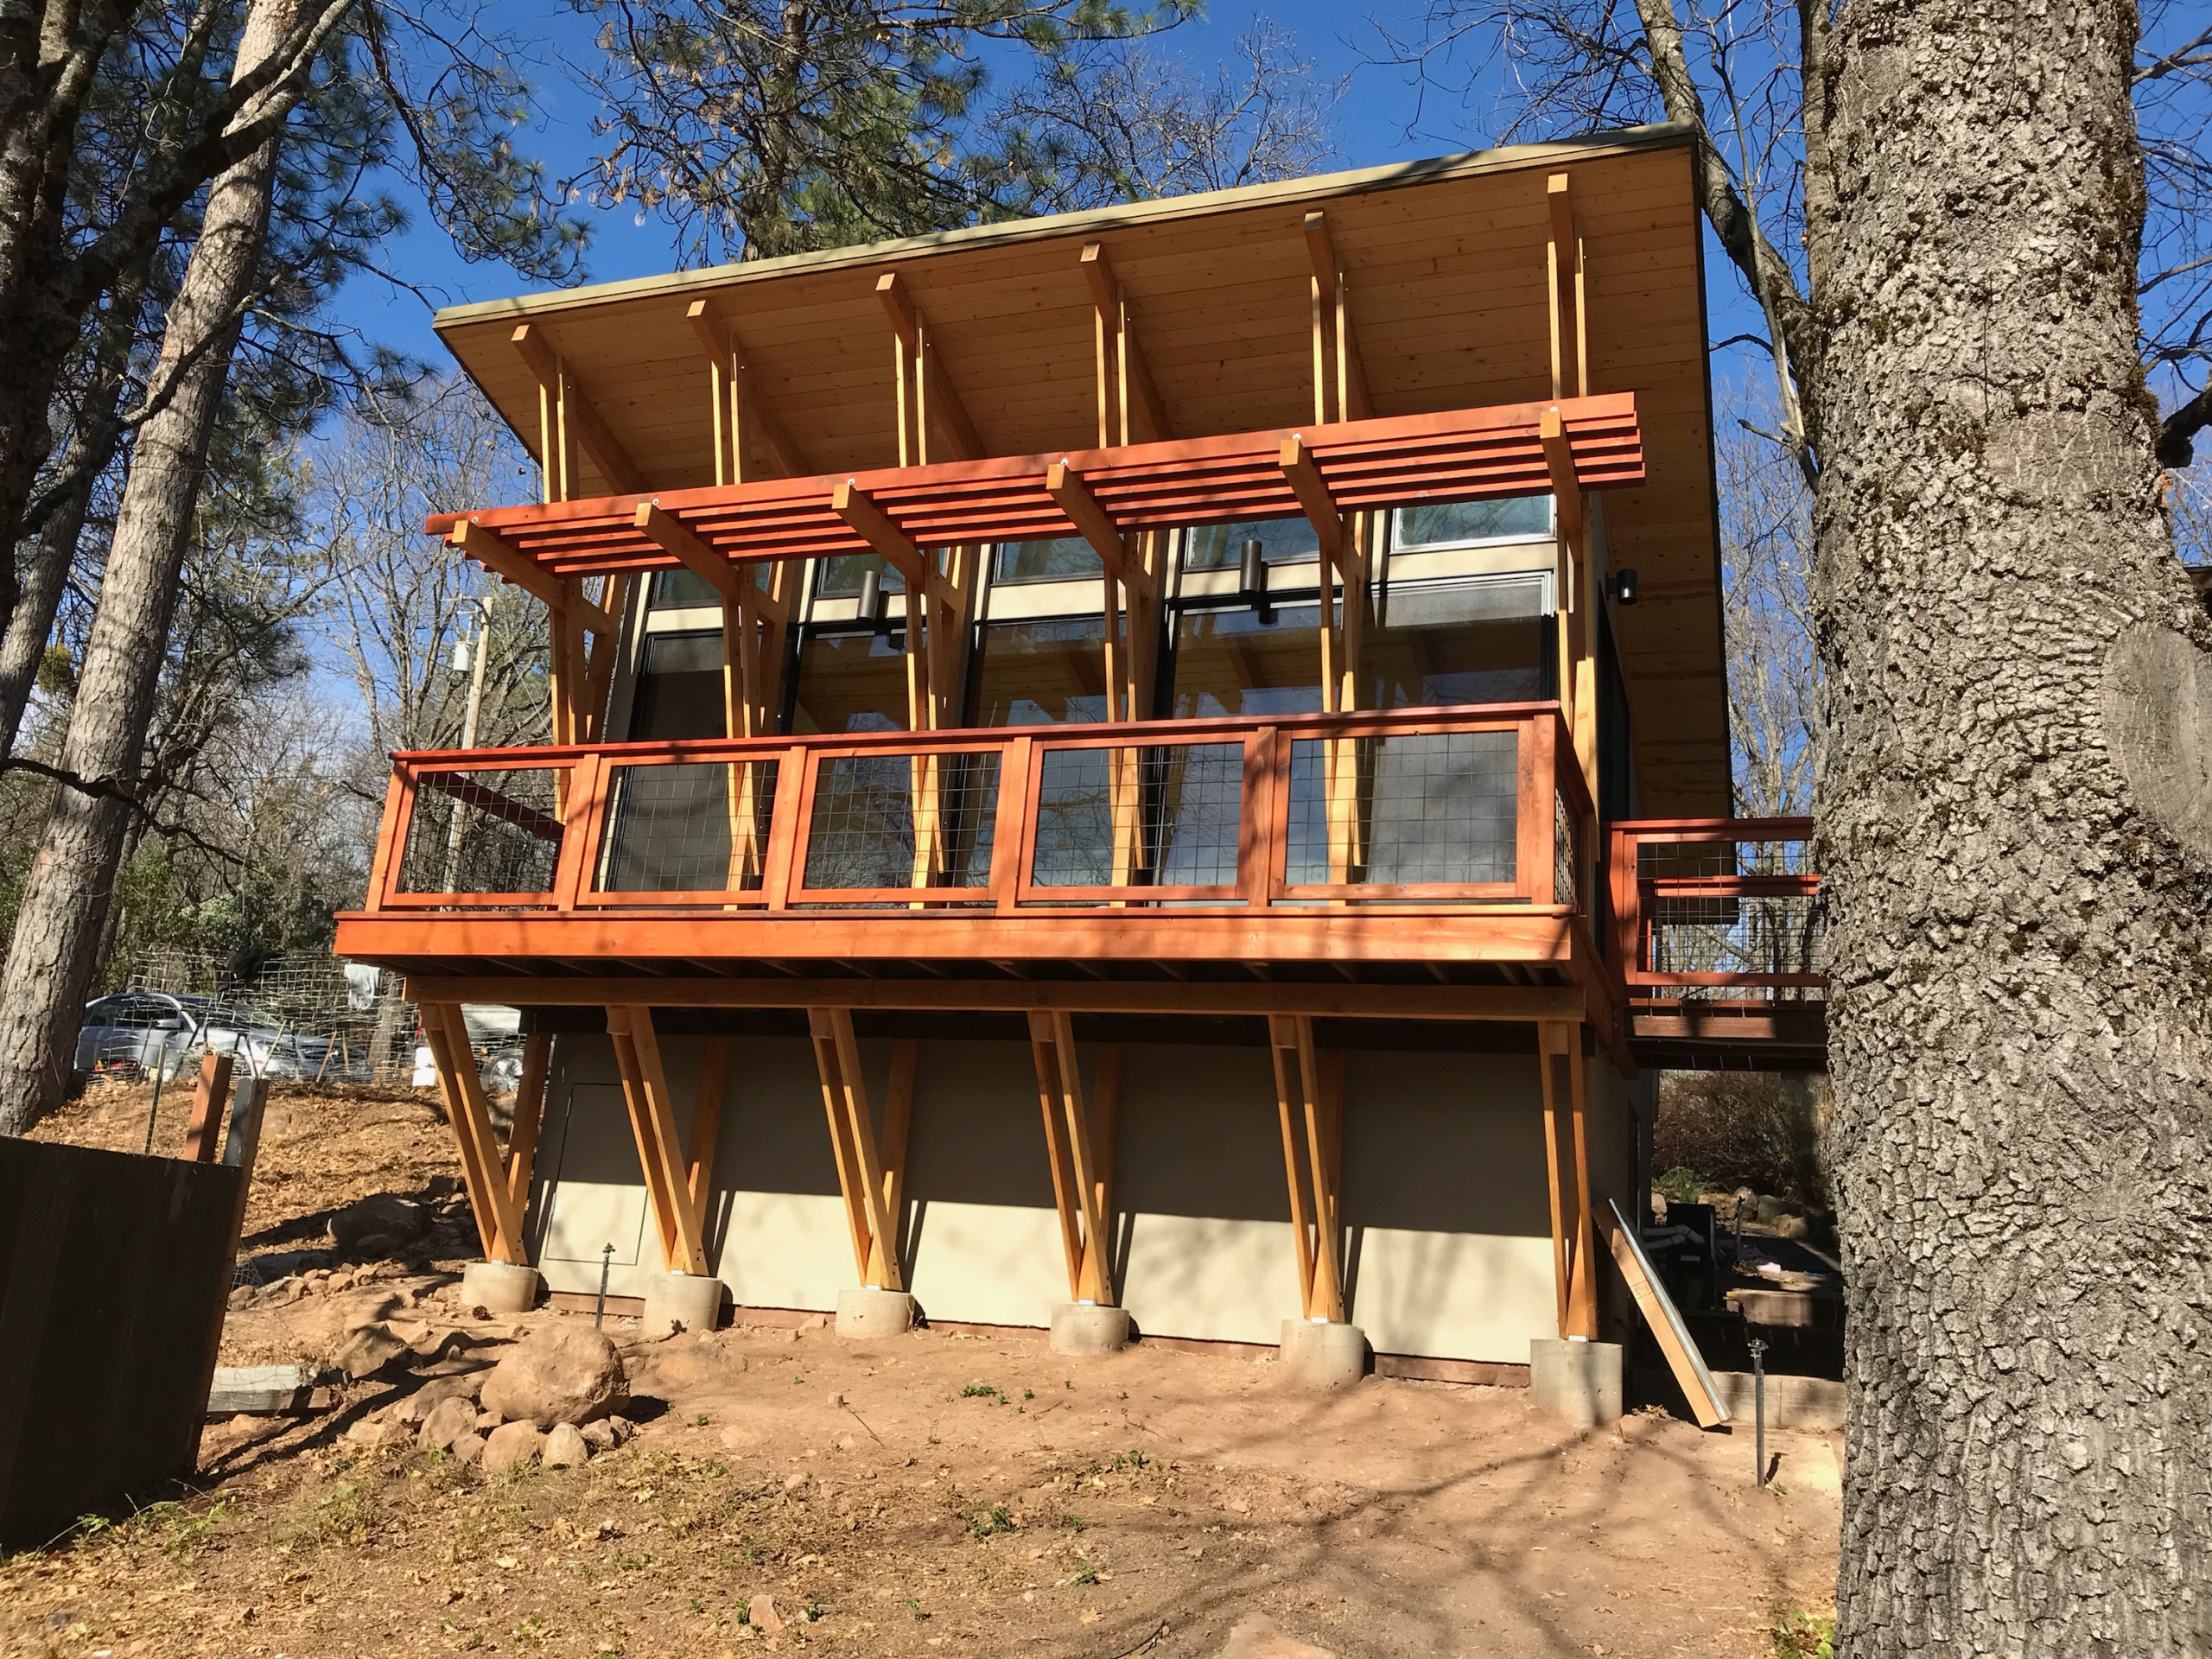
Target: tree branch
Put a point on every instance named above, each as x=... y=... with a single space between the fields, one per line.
x=2176 y=445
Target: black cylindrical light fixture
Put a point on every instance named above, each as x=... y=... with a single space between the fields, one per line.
x=871 y=606
x=1624 y=587
x=1252 y=574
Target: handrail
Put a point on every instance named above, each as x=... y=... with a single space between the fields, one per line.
x=1710 y=906
x=1177 y=816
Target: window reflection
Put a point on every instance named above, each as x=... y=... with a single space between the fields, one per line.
x=1435 y=645
x=1460 y=523
x=1066 y=559
x=1220 y=547
x=679 y=693
x=1242 y=661
x=840 y=576
x=1046 y=672
x=851 y=683
x=684 y=589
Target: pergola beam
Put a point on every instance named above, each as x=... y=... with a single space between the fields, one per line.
x=873 y=526
x=579 y=413
x=1073 y=496
x=1333 y=305
x=502 y=559
x=1312 y=491
x=710 y=567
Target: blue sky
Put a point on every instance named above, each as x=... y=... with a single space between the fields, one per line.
x=1376 y=108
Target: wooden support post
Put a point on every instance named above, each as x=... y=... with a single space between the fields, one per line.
x=923 y=388
x=1309 y=1100
x=738 y=403
x=530 y=1112
x=204 y=1127
x=1563 y=261
x=852 y=1137
x=898 y=1126
x=1078 y=1192
x=1573 y=1235
x=240 y=1152
x=1582 y=1298
x=483 y=1171
x=1290 y=1108
x=1334 y=349
x=1125 y=383
x=707 y=1121
x=653 y=1120
x=580 y=420
x=1552 y=1037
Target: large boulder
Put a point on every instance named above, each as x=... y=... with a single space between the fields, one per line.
x=561 y=1373
x=378 y=1224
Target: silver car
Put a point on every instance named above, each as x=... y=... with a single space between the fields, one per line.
x=138 y=1033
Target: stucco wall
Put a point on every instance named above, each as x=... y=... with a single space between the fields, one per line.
x=1447 y=1226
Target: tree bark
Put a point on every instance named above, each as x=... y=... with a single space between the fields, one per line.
x=2016 y=826
x=52 y=956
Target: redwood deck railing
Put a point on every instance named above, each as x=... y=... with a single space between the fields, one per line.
x=1707 y=909
x=1405 y=812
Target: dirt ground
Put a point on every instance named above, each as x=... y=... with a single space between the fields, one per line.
x=931 y=1493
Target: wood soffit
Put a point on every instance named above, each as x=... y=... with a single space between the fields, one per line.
x=1444 y=265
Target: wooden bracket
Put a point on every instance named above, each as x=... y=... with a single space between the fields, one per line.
x=504 y=560
x=1080 y=1191
x=710 y=567
x=1569 y=329
x=1073 y=496
x=652 y=1120
x=860 y=1176
x=1566 y=486
x=590 y=428
x=1145 y=415
x=873 y=526
x=916 y=356
x=738 y=399
x=1332 y=317
x=483 y=1171
x=1321 y=510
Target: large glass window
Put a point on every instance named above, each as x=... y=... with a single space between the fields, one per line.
x=1069 y=558
x=1467 y=523
x=679 y=692
x=840 y=577
x=1434 y=644
x=1220 y=547
x=682 y=589
x=1048 y=671
x=1238 y=660
x=851 y=681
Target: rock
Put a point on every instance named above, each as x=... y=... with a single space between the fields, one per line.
x=242 y=1296
x=369 y=1349
x=565 y=1448
x=488 y=1421
x=560 y=1373
x=761 y=1613
x=372 y=1433
x=511 y=1444
x=446 y=1422
x=468 y=1449
x=623 y=1428
x=599 y=1436
x=1258 y=1638
x=378 y=1223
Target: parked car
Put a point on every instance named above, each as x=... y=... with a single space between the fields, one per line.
x=140 y=1033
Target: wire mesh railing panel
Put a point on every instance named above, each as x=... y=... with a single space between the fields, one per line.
x=1567 y=862
x=903 y=821
x=1165 y=815
x=696 y=827
x=481 y=832
x=1735 y=933
x=1430 y=807
x=1687 y=859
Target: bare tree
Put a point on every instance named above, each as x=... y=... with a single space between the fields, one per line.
x=403 y=607
x=1775 y=713
x=1121 y=121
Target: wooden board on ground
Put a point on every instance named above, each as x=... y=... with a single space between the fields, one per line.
x=1666 y=1322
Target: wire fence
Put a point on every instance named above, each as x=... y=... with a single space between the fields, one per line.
x=299 y=1018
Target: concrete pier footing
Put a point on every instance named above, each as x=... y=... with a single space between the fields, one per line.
x=1085 y=1328
x=1577 y=1380
x=674 y=1300
x=1319 y=1354
x=871 y=1312
x=499 y=1286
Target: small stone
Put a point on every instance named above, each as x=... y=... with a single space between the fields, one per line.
x=369 y=1349
x=242 y=1296
x=761 y=1614
x=446 y=1422
x=372 y=1433
x=623 y=1428
x=565 y=1448
x=512 y=1444
x=468 y=1449
x=599 y=1436
x=488 y=1421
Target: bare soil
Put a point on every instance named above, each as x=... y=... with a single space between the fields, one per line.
x=923 y=1494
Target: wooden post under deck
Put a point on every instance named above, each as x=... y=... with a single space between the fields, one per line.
x=483 y=1172
x=861 y=1177
x=1573 y=1236
x=530 y=1112
x=652 y=1120
x=1082 y=1161
x=1309 y=1102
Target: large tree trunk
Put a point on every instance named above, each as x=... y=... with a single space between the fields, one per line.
x=52 y=956
x=2017 y=821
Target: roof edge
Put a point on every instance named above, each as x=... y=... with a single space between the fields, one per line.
x=1313 y=187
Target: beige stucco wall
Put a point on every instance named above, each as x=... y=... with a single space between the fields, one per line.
x=1447 y=1230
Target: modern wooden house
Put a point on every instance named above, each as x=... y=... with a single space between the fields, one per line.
x=1242 y=673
